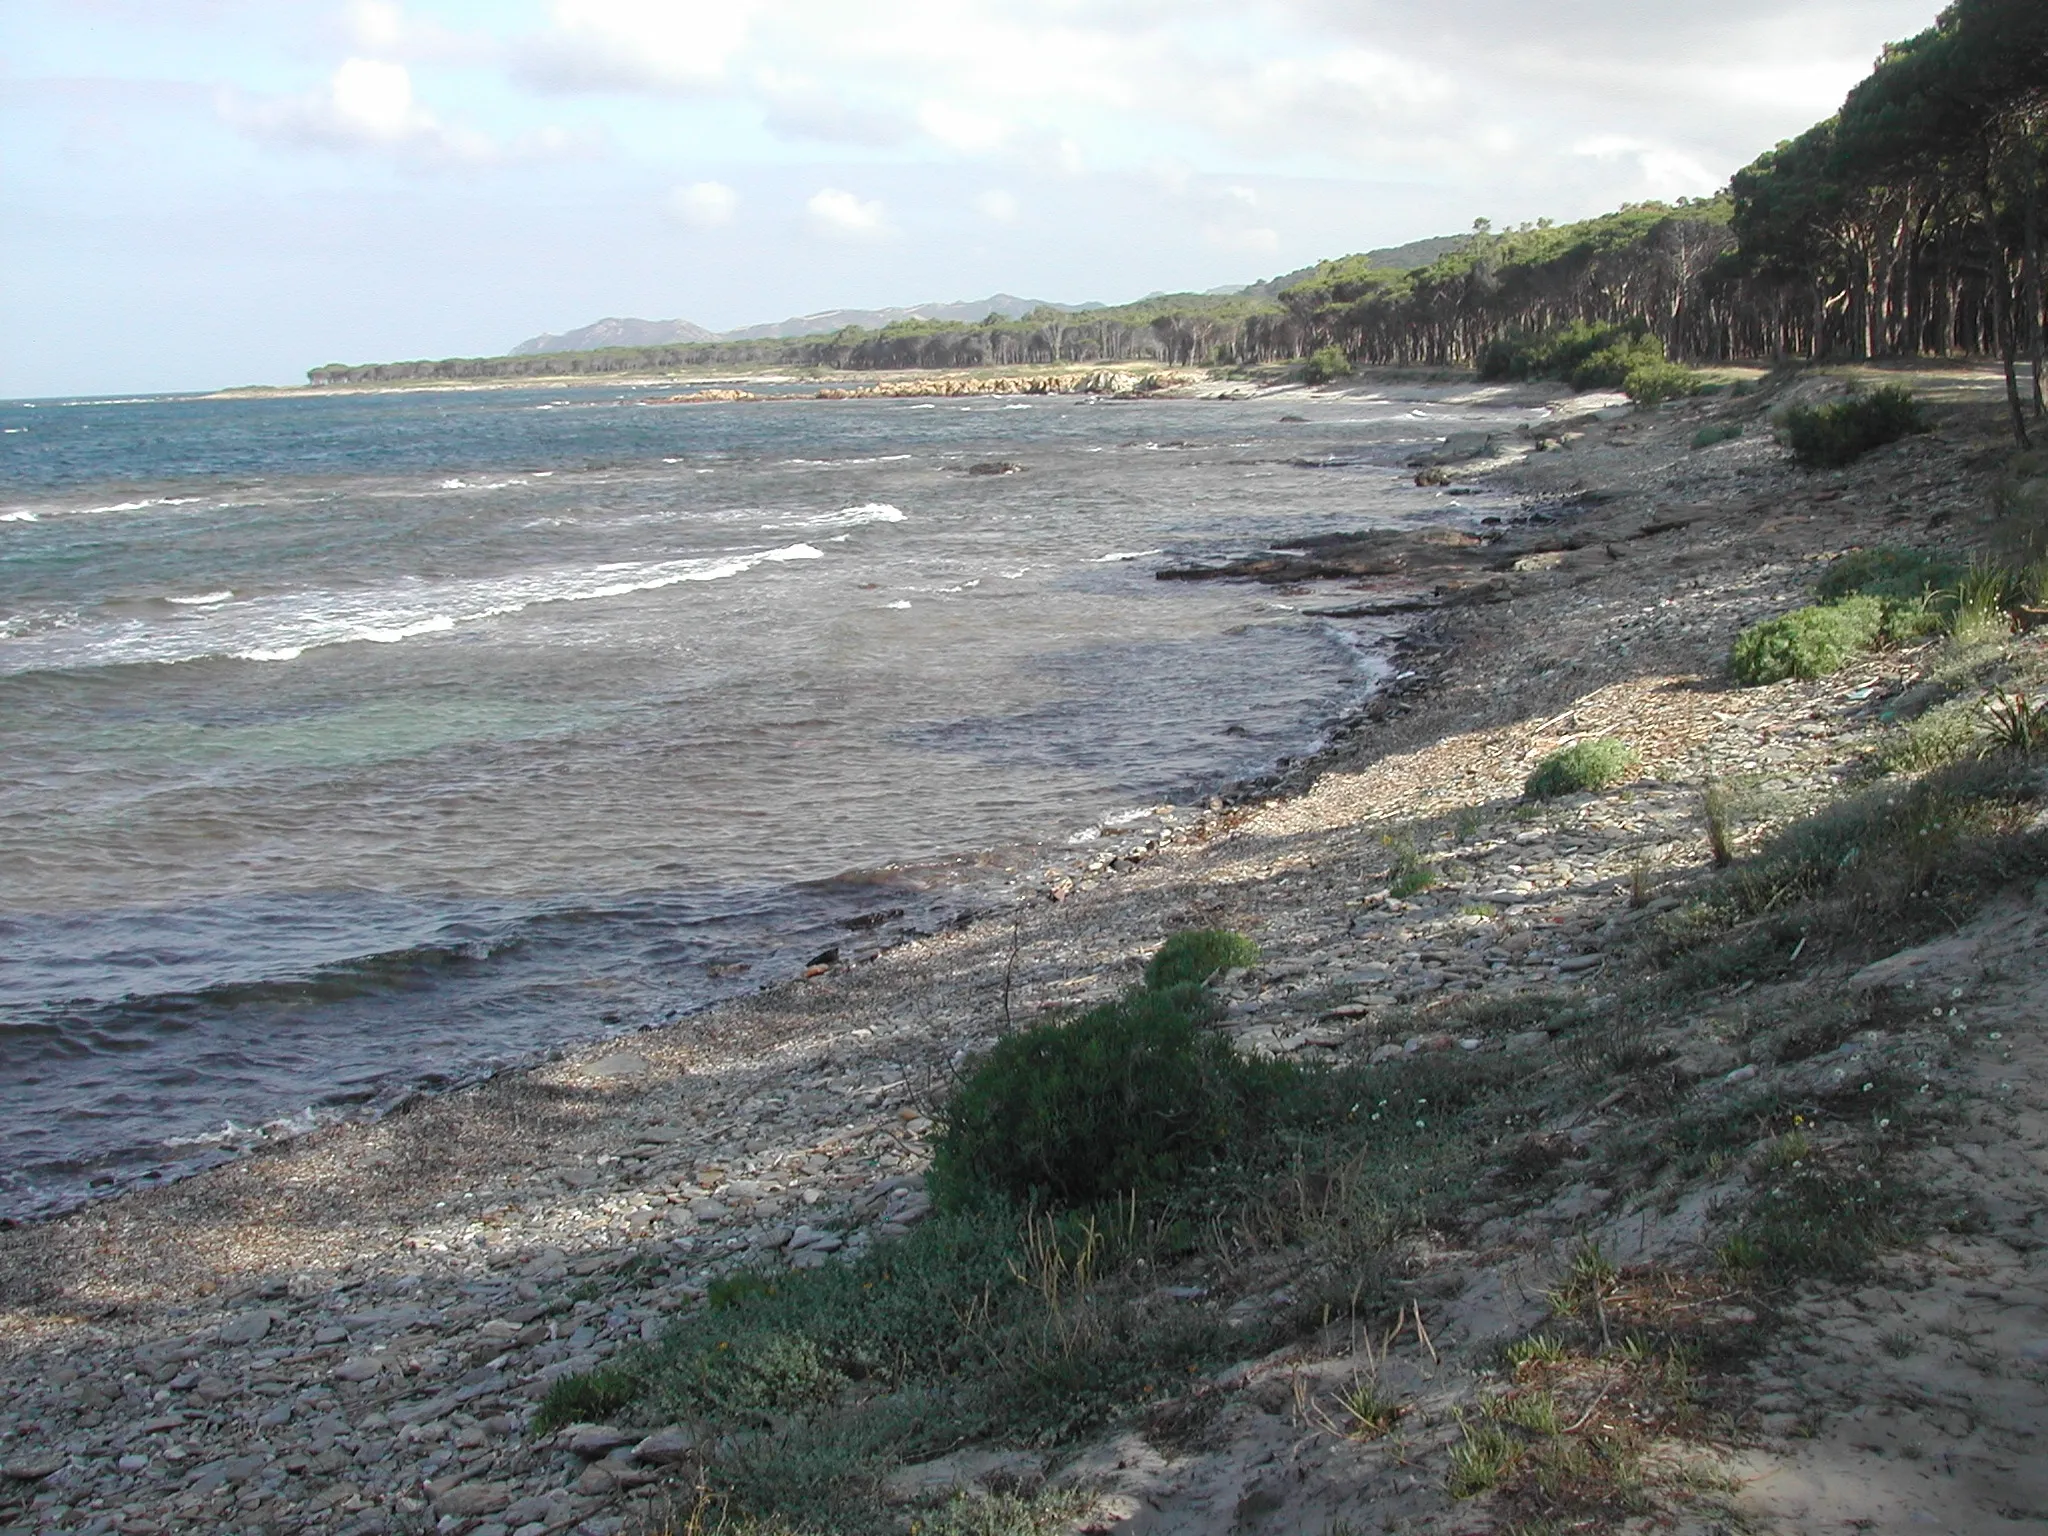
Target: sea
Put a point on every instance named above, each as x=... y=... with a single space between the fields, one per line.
x=355 y=746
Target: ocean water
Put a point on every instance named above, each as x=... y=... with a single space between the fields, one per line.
x=360 y=744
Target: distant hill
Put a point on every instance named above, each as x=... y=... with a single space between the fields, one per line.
x=615 y=332
x=825 y=322
x=656 y=333
x=1412 y=257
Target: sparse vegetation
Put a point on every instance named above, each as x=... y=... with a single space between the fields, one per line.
x=1710 y=437
x=1411 y=874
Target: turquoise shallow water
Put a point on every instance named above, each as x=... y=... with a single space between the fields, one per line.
x=364 y=743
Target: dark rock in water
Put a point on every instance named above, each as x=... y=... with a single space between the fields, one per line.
x=1431 y=554
x=868 y=920
x=1294 y=418
x=996 y=467
x=825 y=957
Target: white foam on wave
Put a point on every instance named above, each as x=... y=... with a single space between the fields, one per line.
x=896 y=605
x=847 y=517
x=143 y=504
x=203 y=600
x=439 y=624
x=1127 y=554
x=286 y=626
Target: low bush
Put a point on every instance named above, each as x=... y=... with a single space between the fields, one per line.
x=1708 y=437
x=1612 y=366
x=1806 y=643
x=1830 y=436
x=1888 y=573
x=1652 y=383
x=1325 y=364
x=1125 y=1097
x=1566 y=352
x=1194 y=957
x=1593 y=764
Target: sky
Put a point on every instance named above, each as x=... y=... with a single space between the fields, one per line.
x=202 y=193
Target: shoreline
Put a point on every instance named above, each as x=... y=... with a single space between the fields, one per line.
x=389 y=1280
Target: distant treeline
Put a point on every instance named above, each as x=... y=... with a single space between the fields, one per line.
x=1909 y=224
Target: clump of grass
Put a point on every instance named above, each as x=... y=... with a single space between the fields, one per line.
x=590 y=1398
x=1537 y=1349
x=1807 y=642
x=1709 y=437
x=1831 y=436
x=2016 y=721
x=1535 y=1412
x=1411 y=873
x=1371 y=1411
x=1719 y=811
x=1194 y=957
x=1596 y=763
x=1479 y=1462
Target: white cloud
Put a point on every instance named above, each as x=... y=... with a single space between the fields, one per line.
x=706 y=204
x=637 y=45
x=1666 y=172
x=997 y=206
x=377 y=26
x=845 y=216
x=1258 y=241
x=961 y=128
x=366 y=104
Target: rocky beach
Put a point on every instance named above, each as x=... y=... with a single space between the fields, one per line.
x=352 y=1332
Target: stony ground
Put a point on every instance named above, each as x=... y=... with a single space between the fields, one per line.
x=350 y=1334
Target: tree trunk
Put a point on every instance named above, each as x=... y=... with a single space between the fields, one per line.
x=1998 y=296
x=2030 y=280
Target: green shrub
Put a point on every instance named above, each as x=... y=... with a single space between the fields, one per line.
x=1806 y=643
x=1707 y=437
x=1612 y=366
x=1593 y=764
x=1325 y=364
x=1565 y=351
x=1830 y=436
x=1652 y=383
x=1193 y=957
x=1123 y=1098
